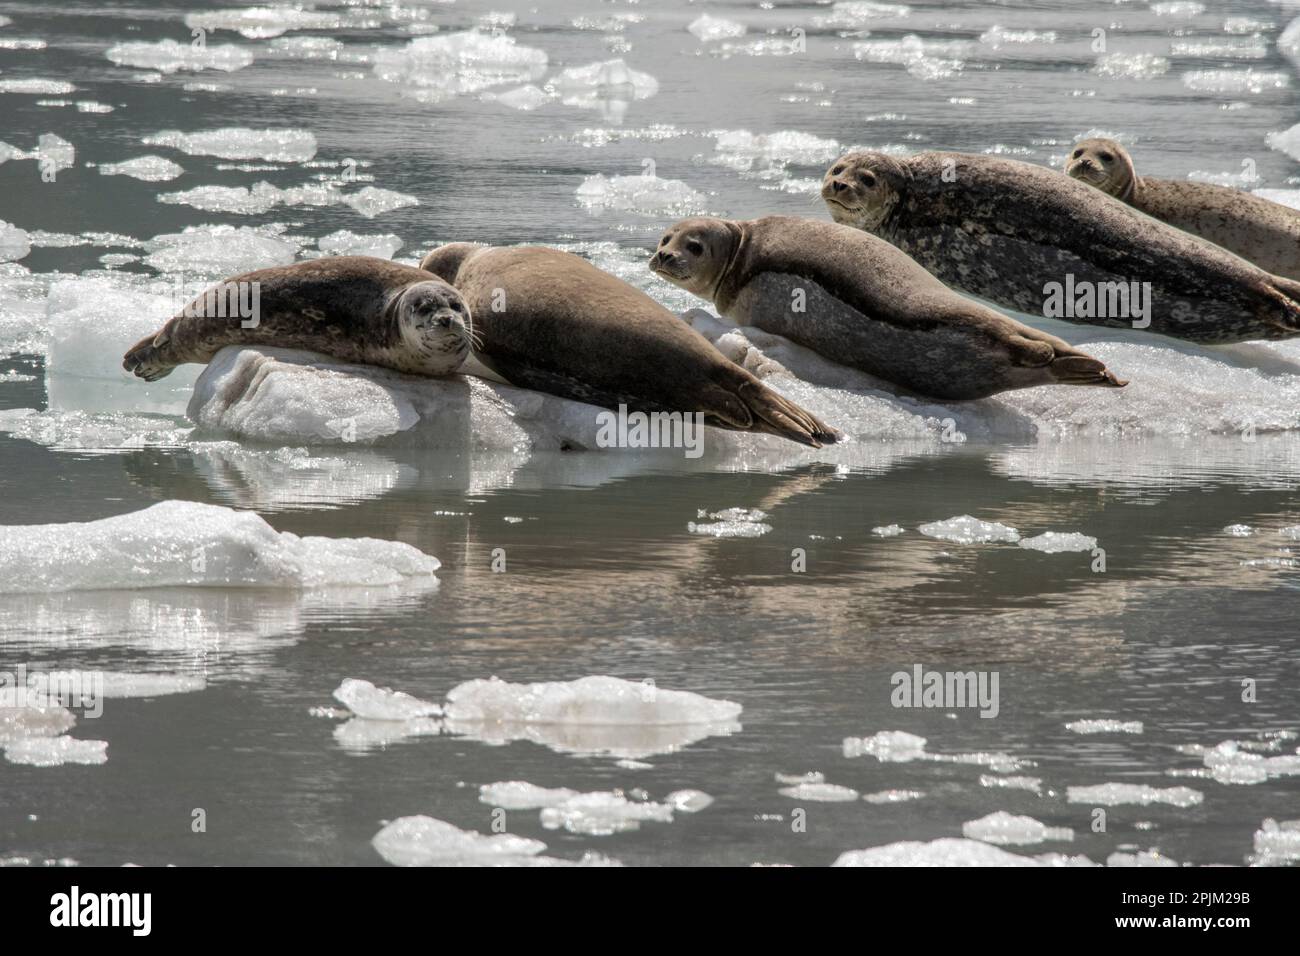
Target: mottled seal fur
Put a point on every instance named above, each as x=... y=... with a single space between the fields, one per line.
x=857 y=300
x=1257 y=229
x=552 y=321
x=355 y=308
x=1006 y=230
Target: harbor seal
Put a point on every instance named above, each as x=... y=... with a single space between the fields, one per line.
x=1010 y=231
x=1260 y=231
x=857 y=300
x=552 y=321
x=355 y=308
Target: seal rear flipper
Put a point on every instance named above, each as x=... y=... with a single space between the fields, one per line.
x=1288 y=291
x=145 y=359
x=776 y=415
x=1083 y=370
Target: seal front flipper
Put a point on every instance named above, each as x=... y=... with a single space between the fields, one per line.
x=147 y=360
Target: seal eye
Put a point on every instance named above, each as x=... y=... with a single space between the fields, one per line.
x=664 y=240
x=1106 y=157
x=837 y=170
x=695 y=247
x=867 y=179
x=1078 y=153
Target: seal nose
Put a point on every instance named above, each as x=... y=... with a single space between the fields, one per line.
x=839 y=185
x=662 y=259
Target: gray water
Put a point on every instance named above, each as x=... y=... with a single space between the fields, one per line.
x=603 y=575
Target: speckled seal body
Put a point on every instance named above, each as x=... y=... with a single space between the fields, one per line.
x=552 y=321
x=1257 y=229
x=1006 y=230
x=857 y=300
x=355 y=308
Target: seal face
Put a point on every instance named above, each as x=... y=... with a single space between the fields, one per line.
x=857 y=300
x=552 y=321
x=355 y=308
x=1260 y=231
x=1010 y=232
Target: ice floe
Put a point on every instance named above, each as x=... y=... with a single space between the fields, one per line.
x=609 y=86
x=923 y=59
x=888 y=531
x=949 y=851
x=218 y=251
x=591 y=715
x=731 y=523
x=893 y=796
x=345 y=243
x=260 y=23
x=1058 y=542
x=56 y=751
x=819 y=792
x=855 y=14
x=1132 y=66
x=427 y=841
x=1117 y=794
x=706 y=28
x=168 y=56
x=898 y=746
x=187 y=543
x=37 y=87
x=1230 y=762
x=1277 y=844
x=1235 y=81
x=1144 y=858
x=646 y=195
x=1104 y=726
x=1007 y=829
x=965 y=529
x=14 y=242
x=439 y=67
x=381 y=703
x=149 y=169
x=1033 y=784
x=241 y=142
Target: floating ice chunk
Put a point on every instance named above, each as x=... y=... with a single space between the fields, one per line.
x=186 y=543
x=56 y=751
x=768 y=154
x=1143 y=859
x=466 y=62
x=888 y=531
x=608 y=79
x=1006 y=829
x=1181 y=9
x=361 y=734
x=892 y=796
x=1132 y=66
x=1032 y=784
x=888 y=746
x=1116 y=794
x=37 y=87
x=1235 y=81
x=521 y=795
x=14 y=376
x=261 y=23
x=1277 y=844
x=80 y=431
x=1056 y=542
x=707 y=28
x=345 y=243
x=1249 y=48
x=924 y=59
x=820 y=792
x=150 y=169
x=240 y=142
x=731 y=523
x=1287 y=141
x=646 y=195
x=24 y=715
x=168 y=56
x=380 y=703
x=526 y=97
x=603 y=813
x=14 y=242
x=997 y=37
x=812 y=776
x=599 y=715
x=373 y=201
x=950 y=852
x=426 y=841
x=1105 y=726
x=308 y=48
x=688 y=801
x=854 y=14
x=22 y=43
x=1239 y=530
x=967 y=530
x=233 y=199
x=218 y=251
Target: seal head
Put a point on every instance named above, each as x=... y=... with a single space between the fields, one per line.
x=697 y=253
x=861 y=189
x=1105 y=164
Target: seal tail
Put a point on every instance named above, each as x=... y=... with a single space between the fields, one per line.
x=146 y=359
x=1082 y=370
x=776 y=415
